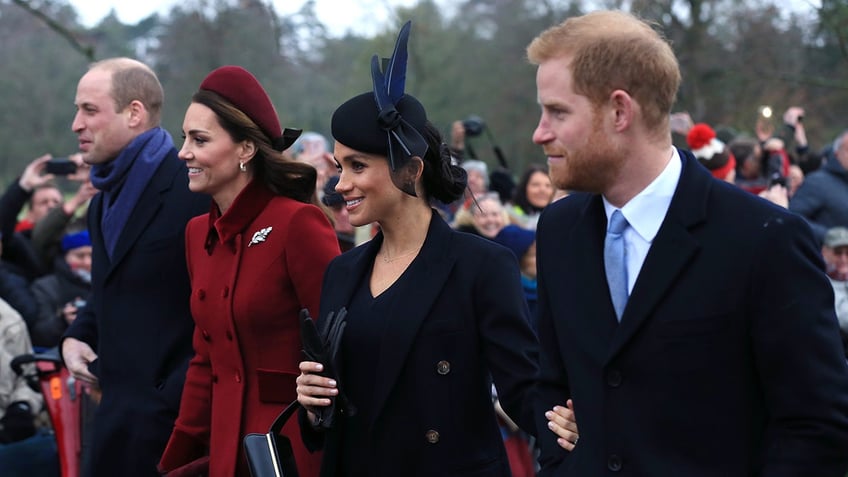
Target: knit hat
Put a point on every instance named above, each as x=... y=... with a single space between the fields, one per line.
x=517 y=239
x=75 y=240
x=709 y=151
x=242 y=89
x=331 y=197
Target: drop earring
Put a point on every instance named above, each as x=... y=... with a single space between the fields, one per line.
x=242 y=167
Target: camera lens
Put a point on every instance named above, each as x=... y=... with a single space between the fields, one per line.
x=473 y=125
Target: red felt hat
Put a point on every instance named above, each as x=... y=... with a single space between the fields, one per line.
x=242 y=89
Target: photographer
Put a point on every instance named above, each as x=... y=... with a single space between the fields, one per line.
x=31 y=245
x=823 y=197
x=61 y=294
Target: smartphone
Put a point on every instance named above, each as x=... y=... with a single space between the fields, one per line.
x=60 y=166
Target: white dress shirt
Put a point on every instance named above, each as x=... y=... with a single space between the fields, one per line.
x=645 y=213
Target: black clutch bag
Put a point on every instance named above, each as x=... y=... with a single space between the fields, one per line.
x=270 y=454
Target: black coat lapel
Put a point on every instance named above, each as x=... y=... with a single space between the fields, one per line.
x=672 y=249
x=432 y=268
x=595 y=309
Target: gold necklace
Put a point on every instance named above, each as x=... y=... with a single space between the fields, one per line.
x=386 y=258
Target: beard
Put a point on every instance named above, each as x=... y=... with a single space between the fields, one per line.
x=591 y=168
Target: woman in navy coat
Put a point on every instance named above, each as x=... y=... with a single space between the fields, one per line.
x=433 y=315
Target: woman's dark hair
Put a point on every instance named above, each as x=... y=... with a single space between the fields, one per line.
x=442 y=180
x=520 y=197
x=282 y=176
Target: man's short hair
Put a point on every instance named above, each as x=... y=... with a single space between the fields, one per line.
x=613 y=50
x=133 y=80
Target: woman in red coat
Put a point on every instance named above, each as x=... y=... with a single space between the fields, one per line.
x=254 y=260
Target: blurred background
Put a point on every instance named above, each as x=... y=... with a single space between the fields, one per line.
x=466 y=58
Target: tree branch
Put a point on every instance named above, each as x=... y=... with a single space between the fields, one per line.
x=86 y=50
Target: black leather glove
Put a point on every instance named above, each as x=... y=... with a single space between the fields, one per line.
x=18 y=423
x=321 y=344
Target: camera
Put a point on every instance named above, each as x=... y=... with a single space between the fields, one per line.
x=777 y=179
x=60 y=166
x=474 y=126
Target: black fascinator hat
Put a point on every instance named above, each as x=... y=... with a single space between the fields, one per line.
x=386 y=121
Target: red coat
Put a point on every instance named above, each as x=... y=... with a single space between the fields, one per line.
x=251 y=270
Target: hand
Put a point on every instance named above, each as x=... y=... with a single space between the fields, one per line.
x=321 y=344
x=764 y=129
x=681 y=123
x=563 y=422
x=792 y=115
x=33 y=175
x=77 y=356
x=85 y=192
x=458 y=135
x=69 y=312
x=83 y=172
x=776 y=194
x=313 y=390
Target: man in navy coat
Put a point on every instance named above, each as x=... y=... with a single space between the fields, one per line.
x=695 y=337
x=133 y=339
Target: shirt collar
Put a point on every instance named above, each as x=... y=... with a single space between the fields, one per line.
x=646 y=211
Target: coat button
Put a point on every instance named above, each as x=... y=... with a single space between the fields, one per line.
x=432 y=436
x=229 y=335
x=205 y=335
x=614 y=378
x=443 y=367
x=238 y=377
x=614 y=463
x=201 y=294
x=225 y=292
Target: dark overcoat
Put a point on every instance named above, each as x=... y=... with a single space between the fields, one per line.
x=138 y=322
x=463 y=319
x=727 y=360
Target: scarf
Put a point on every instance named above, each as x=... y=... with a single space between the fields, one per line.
x=124 y=179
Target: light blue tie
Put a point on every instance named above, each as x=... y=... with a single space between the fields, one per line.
x=615 y=262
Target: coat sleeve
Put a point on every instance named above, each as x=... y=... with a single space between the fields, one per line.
x=14 y=341
x=50 y=322
x=47 y=233
x=807 y=202
x=189 y=441
x=553 y=387
x=798 y=354
x=310 y=246
x=509 y=344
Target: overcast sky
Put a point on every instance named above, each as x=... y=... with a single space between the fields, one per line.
x=338 y=15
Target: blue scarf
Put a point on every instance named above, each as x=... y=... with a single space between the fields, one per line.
x=124 y=179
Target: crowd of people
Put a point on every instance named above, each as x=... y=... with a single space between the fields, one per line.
x=572 y=318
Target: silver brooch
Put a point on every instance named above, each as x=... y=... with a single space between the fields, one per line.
x=259 y=237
